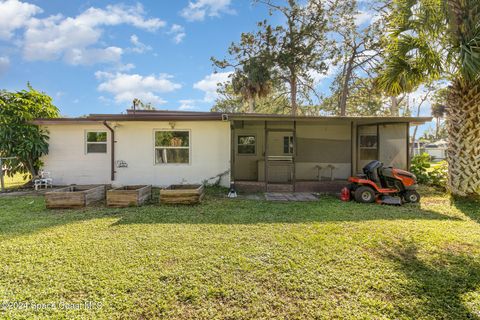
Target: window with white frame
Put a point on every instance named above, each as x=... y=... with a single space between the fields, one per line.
x=96 y=142
x=172 y=147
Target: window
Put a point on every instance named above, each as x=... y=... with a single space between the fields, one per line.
x=368 y=146
x=288 y=145
x=96 y=142
x=172 y=147
x=246 y=145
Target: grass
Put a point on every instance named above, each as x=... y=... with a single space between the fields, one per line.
x=242 y=259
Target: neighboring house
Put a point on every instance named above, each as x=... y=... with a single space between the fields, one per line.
x=418 y=148
x=437 y=150
x=254 y=150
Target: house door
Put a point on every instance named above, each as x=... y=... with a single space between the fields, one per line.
x=280 y=157
x=384 y=142
x=367 y=145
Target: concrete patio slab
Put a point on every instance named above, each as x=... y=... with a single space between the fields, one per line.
x=290 y=196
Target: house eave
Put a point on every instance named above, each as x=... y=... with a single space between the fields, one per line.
x=151 y=115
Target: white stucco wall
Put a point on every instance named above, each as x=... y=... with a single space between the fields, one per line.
x=68 y=162
x=209 y=153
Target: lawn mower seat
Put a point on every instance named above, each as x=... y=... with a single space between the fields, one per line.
x=371 y=171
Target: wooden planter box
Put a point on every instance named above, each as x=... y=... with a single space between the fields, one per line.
x=74 y=197
x=128 y=196
x=182 y=194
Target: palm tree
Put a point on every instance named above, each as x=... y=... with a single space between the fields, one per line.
x=438 y=112
x=252 y=81
x=440 y=40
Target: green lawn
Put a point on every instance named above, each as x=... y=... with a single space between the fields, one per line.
x=243 y=259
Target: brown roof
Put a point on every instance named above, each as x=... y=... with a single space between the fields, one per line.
x=166 y=115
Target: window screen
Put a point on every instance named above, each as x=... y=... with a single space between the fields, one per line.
x=172 y=147
x=96 y=142
x=246 y=145
x=288 y=145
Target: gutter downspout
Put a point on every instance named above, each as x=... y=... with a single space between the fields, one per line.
x=112 y=139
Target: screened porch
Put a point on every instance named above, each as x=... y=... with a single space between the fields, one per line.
x=311 y=155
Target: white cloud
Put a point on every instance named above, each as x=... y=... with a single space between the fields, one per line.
x=15 y=15
x=59 y=94
x=209 y=84
x=91 y=56
x=363 y=17
x=72 y=39
x=319 y=76
x=125 y=67
x=104 y=100
x=138 y=46
x=125 y=87
x=187 y=104
x=4 y=64
x=178 y=33
x=199 y=9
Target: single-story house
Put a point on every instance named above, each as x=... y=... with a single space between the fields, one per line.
x=257 y=151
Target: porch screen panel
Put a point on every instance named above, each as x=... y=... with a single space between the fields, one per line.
x=323 y=150
x=393 y=145
x=323 y=143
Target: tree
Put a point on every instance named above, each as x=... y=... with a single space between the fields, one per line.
x=291 y=51
x=439 y=133
x=230 y=102
x=439 y=40
x=439 y=109
x=423 y=98
x=138 y=104
x=438 y=112
x=252 y=81
x=359 y=48
x=18 y=137
x=364 y=98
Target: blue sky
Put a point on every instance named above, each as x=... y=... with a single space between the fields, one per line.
x=96 y=56
x=158 y=51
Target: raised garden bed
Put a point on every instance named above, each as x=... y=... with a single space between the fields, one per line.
x=128 y=196
x=74 y=196
x=182 y=194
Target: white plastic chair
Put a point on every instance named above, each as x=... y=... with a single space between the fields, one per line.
x=44 y=180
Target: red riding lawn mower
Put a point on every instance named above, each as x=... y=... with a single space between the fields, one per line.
x=385 y=185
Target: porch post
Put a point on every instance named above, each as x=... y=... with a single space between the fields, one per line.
x=265 y=155
x=408 y=145
x=352 y=148
x=232 y=153
x=2 y=183
x=294 y=177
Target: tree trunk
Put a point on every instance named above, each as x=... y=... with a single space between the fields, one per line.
x=251 y=105
x=33 y=171
x=414 y=136
x=293 y=95
x=437 y=128
x=345 y=87
x=394 y=106
x=463 y=154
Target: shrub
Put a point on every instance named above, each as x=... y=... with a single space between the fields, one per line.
x=439 y=175
x=421 y=166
